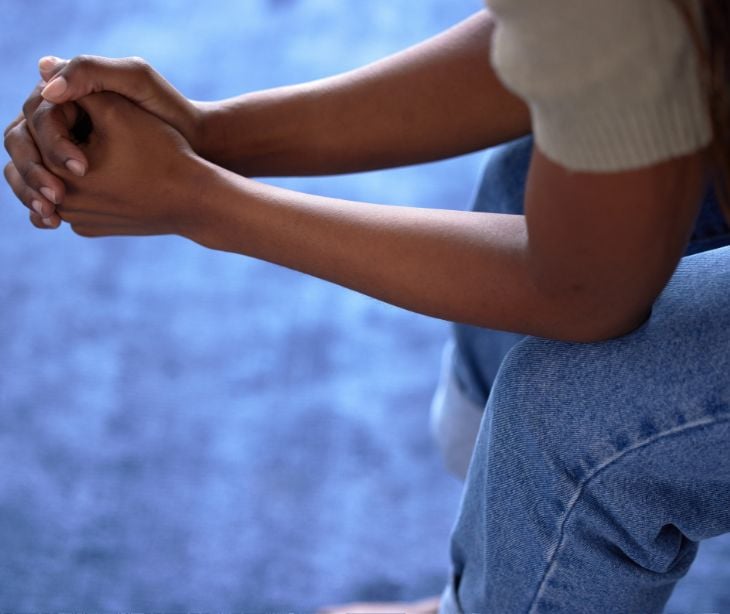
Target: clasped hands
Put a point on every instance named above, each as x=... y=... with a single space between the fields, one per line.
x=108 y=146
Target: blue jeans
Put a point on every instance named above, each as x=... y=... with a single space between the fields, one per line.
x=598 y=467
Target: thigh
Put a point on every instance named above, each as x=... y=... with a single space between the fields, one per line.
x=599 y=467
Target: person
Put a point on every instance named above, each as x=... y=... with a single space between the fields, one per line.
x=600 y=460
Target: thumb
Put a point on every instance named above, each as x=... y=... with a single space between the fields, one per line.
x=84 y=75
x=49 y=65
x=132 y=78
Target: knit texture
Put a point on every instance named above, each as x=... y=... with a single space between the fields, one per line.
x=611 y=85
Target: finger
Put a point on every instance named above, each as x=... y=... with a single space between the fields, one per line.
x=65 y=154
x=39 y=206
x=132 y=78
x=86 y=74
x=51 y=127
x=27 y=160
x=13 y=124
x=34 y=99
x=42 y=213
x=49 y=66
x=50 y=223
x=37 y=221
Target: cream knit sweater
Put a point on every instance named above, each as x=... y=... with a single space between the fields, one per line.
x=611 y=84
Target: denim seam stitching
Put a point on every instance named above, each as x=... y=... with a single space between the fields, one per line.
x=581 y=487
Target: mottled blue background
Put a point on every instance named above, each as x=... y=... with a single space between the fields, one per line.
x=189 y=430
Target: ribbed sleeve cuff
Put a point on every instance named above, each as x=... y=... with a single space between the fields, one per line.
x=605 y=139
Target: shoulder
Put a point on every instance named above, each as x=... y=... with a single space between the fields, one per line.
x=611 y=85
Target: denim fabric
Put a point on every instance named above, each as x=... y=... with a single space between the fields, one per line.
x=598 y=467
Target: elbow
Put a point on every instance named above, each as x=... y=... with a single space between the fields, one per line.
x=581 y=315
x=595 y=327
x=585 y=303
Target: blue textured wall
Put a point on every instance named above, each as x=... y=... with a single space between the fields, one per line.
x=182 y=429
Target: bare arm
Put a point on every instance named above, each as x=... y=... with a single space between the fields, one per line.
x=437 y=99
x=584 y=264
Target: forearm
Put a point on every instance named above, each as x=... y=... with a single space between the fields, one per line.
x=460 y=266
x=435 y=100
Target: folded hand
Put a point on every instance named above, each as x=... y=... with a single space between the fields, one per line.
x=42 y=142
x=140 y=176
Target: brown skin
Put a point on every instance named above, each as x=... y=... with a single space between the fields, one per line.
x=425 y=103
x=584 y=264
x=603 y=245
x=39 y=141
x=138 y=174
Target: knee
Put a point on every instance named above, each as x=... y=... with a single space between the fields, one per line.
x=567 y=400
x=542 y=370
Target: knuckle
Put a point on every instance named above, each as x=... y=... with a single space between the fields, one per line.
x=35 y=219
x=48 y=136
x=84 y=71
x=25 y=173
x=32 y=176
x=8 y=171
x=24 y=194
x=40 y=116
x=51 y=148
x=13 y=124
x=138 y=65
x=31 y=104
x=9 y=139
x=81 y=62
x=54 y=160
x=14 y=180
x=18 y=143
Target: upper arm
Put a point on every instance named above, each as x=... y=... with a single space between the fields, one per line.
x=618 y=168
x=610 y=85
x=603 y=245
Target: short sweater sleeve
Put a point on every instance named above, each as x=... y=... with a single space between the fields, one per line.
x=611 y=84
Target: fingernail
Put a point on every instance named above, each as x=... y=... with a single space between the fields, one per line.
x=48 y=62
x=76 y=167
x=49 y=194
x=49 y=222
x=55 y=88
x=37 y=207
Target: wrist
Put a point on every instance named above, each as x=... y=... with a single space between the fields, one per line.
x=258 y=134
x=200 y=197
x=206 y=121
x=192 y=181
x=225 y=134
